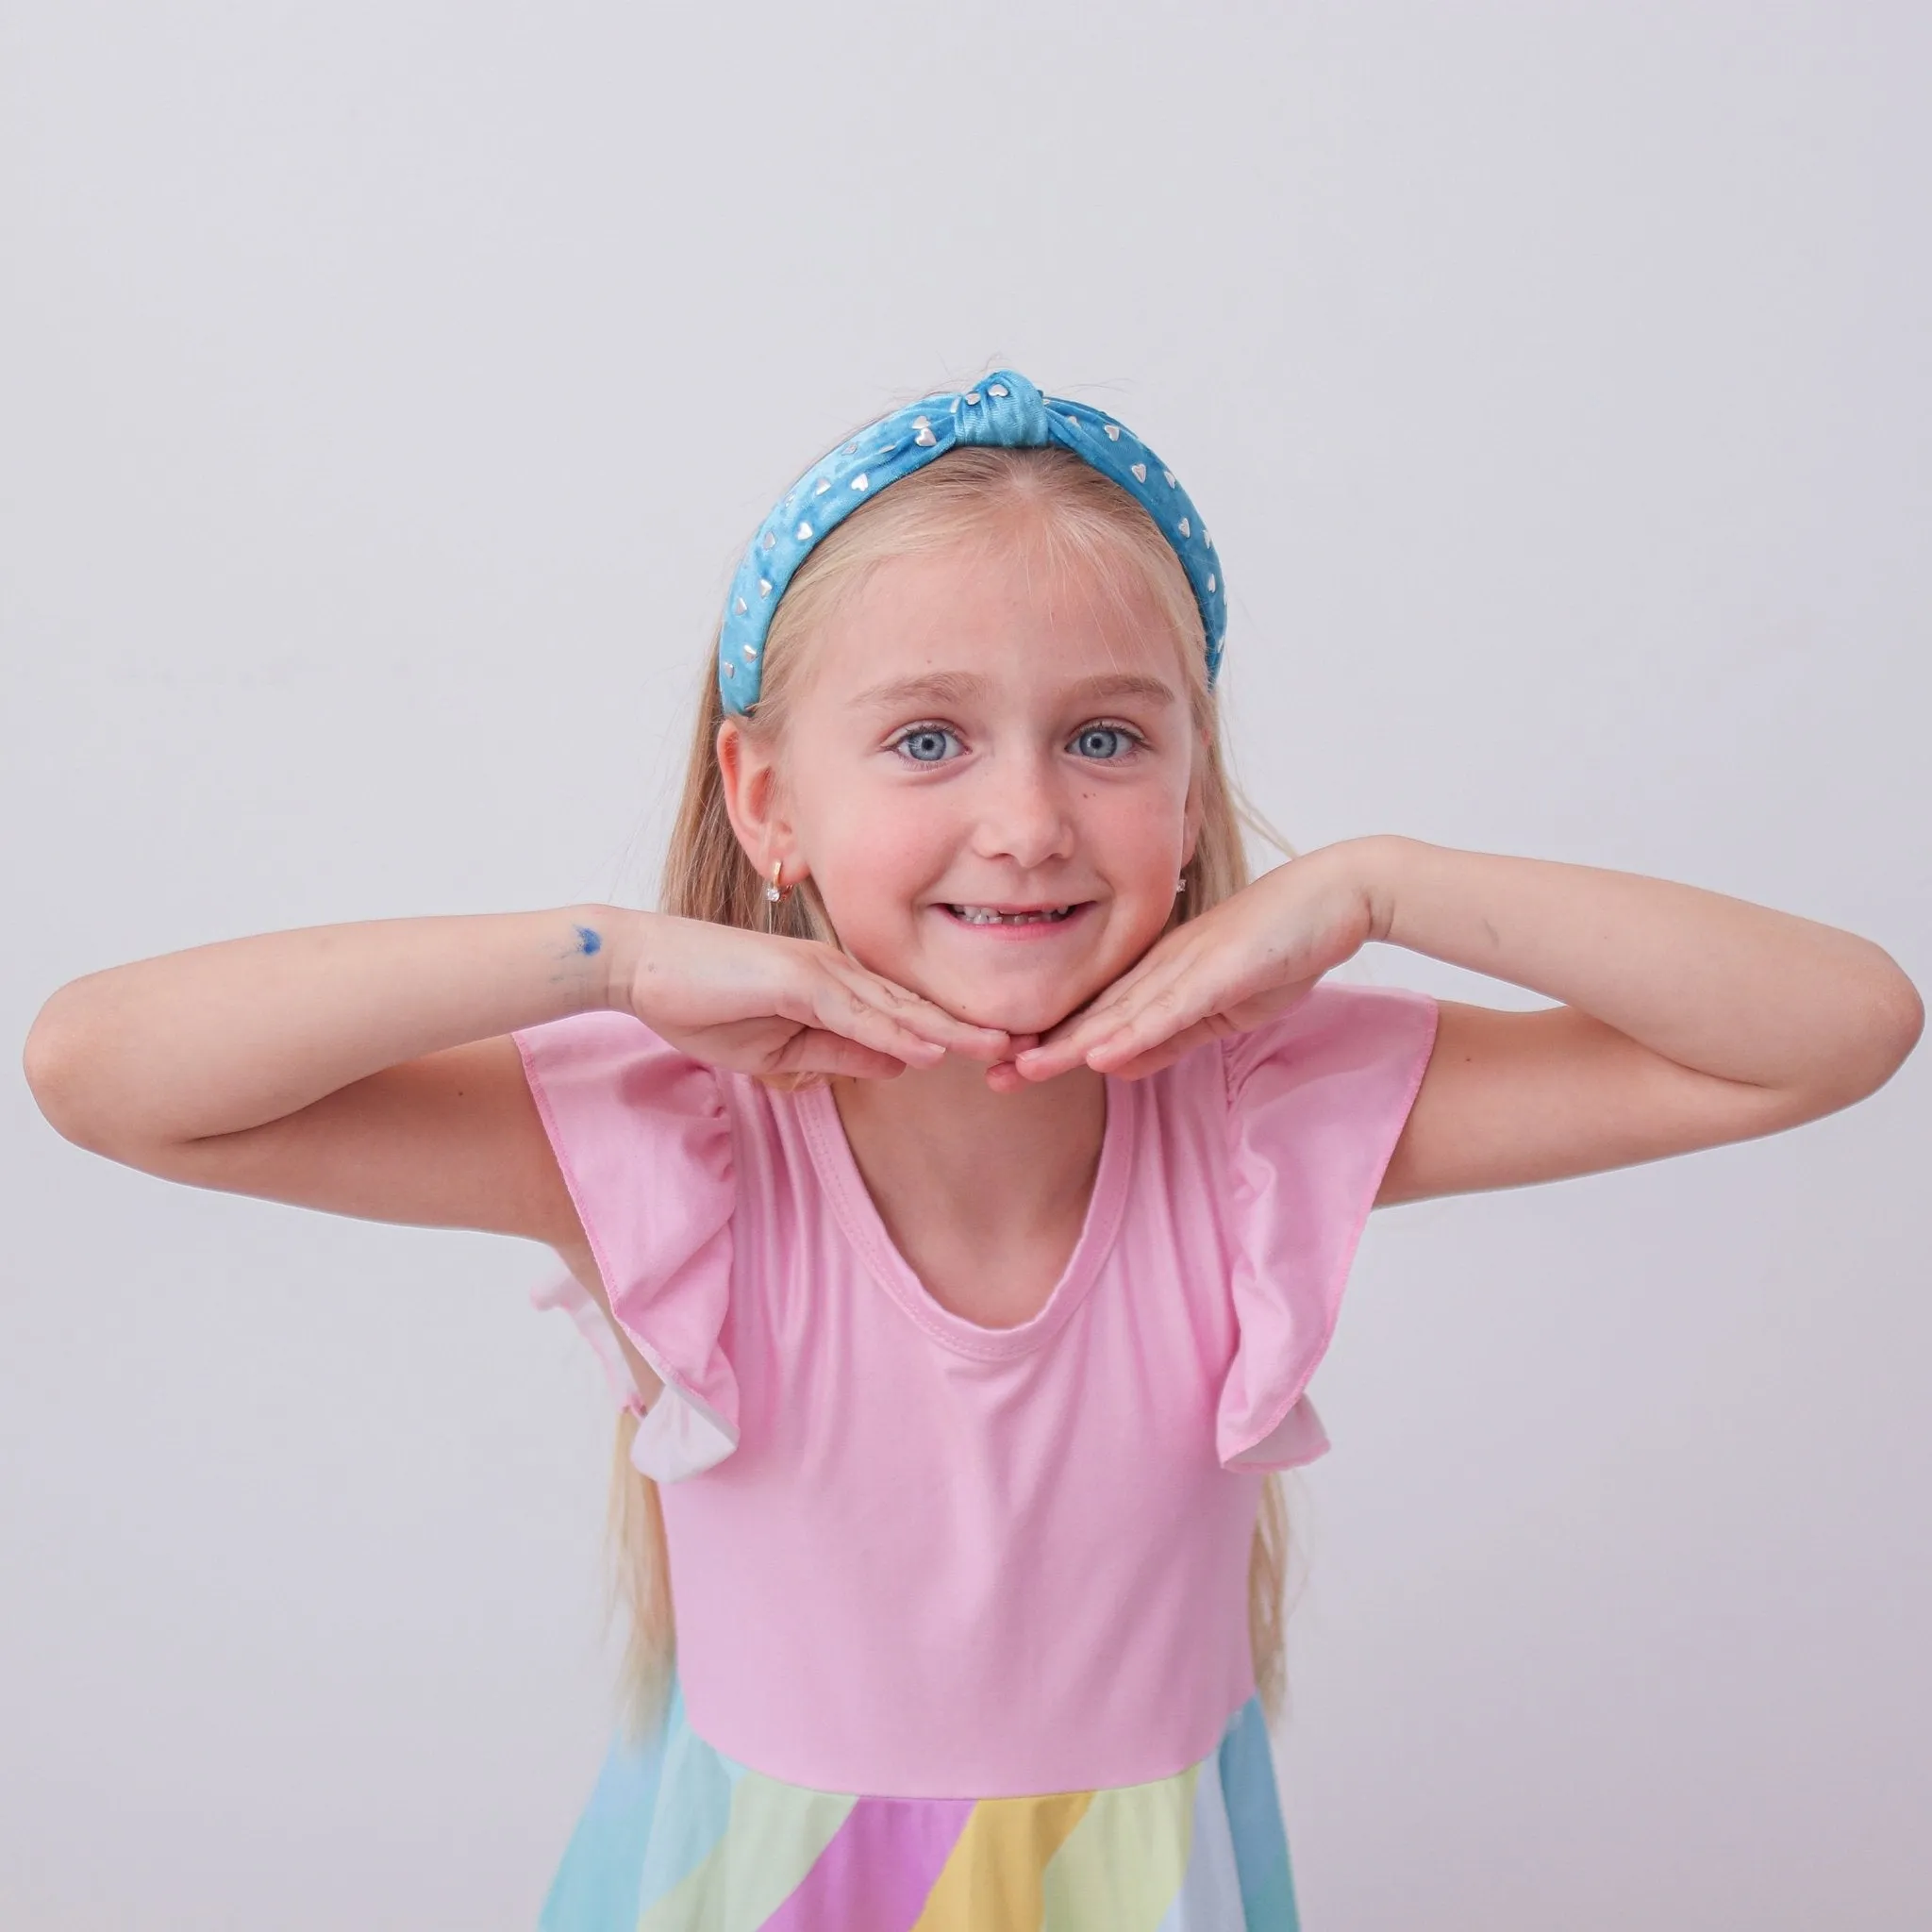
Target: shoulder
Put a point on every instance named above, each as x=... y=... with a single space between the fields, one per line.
x=1322 y=1091
x=1350 y=1042
x=611 y=1064
x=631 y=1118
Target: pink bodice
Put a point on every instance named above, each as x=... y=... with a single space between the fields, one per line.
x=915 y=1557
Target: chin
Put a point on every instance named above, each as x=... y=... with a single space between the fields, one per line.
x=1012 y=1010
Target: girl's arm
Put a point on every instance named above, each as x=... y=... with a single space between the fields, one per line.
x=361 y=1069
x=1688 y=1018
x=366 y=1069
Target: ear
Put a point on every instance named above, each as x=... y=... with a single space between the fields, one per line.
x=753 y=801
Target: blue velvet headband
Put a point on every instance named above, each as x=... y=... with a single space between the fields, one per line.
x=1004 y=409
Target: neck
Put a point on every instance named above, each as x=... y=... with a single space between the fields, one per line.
x=977 y=1186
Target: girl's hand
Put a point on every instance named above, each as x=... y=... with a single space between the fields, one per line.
x=1249 y=958
x=760 y=1004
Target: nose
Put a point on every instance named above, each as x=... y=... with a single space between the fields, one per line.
x=1023 y=814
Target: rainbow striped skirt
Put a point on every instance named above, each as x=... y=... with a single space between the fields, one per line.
x=677 y=1837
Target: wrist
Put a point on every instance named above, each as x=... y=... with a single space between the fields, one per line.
x=613 y=938
x=1378 y=865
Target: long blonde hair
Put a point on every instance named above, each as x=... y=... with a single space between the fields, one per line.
x=1075 y=515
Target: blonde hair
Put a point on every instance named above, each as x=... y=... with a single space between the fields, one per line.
x=1073 y=515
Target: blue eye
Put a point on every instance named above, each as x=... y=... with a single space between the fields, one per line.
x=925 y=745
x=1103 y=742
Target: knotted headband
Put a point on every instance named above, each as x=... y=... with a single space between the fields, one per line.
x=1004 y=409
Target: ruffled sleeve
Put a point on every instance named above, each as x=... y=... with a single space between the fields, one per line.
x=1316 y=1102
x=644 y=1141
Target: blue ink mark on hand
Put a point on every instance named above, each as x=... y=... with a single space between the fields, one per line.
x=588 y=941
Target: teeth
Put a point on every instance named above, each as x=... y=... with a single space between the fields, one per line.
x=985 y=915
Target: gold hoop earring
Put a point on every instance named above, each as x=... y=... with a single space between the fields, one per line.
x=775 y=891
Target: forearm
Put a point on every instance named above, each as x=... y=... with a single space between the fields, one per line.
x=1718 y=984
x=222 y=1038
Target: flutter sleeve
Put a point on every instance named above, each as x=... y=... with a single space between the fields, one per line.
x=642 y=1138
x=1316 y=1102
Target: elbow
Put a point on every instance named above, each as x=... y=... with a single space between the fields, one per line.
x=55 y=1063
x=1898 y=1019
x=1889 y=1022
x=1906 y=1018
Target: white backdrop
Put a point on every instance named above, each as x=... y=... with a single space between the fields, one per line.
x=387 y=388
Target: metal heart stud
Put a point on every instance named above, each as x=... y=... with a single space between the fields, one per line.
x=860 y=481
x=802 y=532
x=820 y=487
x=1114 y=431
x=743 y=606
x=1140 y=471
x=995 y=389
x=1187 y=529
x=764 y=586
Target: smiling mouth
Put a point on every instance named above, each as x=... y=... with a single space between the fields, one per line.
x=992 y=915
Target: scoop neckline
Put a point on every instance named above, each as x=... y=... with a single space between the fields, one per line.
x=864 y=1227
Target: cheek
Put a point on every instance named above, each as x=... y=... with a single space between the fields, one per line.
x=871 y=855
x=1140 y=830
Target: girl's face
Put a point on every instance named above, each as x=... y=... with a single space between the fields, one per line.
x=989 y=771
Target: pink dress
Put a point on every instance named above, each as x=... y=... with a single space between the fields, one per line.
x=962 y=1612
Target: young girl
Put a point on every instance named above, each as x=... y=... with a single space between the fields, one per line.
x=959 y=1177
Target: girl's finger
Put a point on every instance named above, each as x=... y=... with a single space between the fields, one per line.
x=1167 y=957
x=1002 y=1076
x=814 y=1051
x=845 y=1011
x=1071 y=1044
x=1171 y=1049
x=1161 y=1016
x=921 y=1017
x=1164 y=1012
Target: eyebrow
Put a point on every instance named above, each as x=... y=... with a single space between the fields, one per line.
x=957 y=687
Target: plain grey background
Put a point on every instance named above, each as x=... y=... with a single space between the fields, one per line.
x=386 y=391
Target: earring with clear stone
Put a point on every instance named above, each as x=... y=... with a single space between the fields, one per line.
x=774 y=891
